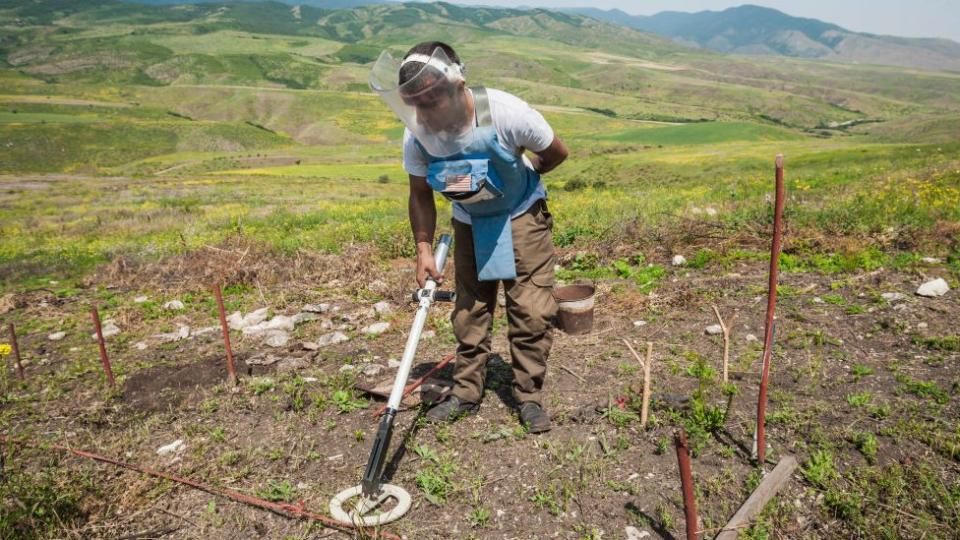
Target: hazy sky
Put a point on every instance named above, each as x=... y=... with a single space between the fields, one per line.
x=911 y=18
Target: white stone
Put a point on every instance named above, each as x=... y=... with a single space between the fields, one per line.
x=176 y=446
x=57 y=336
x=931 y=260
x=108 y=329
x=183 y=332
x=372 y=370
x=350 y=317
x=347 y=368
x=638 y=324
x=304 y=316
x=383 y=308
x=428 y=334
x=633 y=476
x=393 y=363
x=277 y=338
x=310 y=379
x=174 y=305
x=326 y=325
x=893 y=296
x=204 y=330
x=278 y=323
x=922 y=325
x=315 y=308
x=237 y=321
x=332 y=339
x=263 y=359
x=634 y=533
x=281 y=322
x=678 y=260
x=930 y=289
x=751 y=337
x=310 y=345
x=140 y=346
x=376 y=328
x=817 y=300
x=141 y=299
x=711 y=211
x=713 y=330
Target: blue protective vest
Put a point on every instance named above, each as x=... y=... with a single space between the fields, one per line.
x=499 y=183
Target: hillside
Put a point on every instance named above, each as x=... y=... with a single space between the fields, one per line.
x=758 y=30
x=577 y=61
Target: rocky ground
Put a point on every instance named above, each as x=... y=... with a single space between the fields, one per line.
x=864 y=385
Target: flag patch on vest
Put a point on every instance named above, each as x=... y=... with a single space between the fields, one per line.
x=457 y=183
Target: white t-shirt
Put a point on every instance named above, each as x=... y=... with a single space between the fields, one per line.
x=518 y=127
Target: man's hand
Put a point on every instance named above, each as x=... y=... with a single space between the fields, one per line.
x=550 y=157
x=426 y=265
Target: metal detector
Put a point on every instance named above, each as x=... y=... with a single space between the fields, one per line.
x=372 y=491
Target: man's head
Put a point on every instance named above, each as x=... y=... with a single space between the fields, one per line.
x=431 y=80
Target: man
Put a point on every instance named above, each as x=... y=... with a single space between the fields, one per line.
x=469 y=144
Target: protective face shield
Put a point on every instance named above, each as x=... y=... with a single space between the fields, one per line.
x=432 y=103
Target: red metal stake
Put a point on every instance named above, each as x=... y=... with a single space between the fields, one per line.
x=231 y=368
x=16 y=350
x=760 y=441
x=686 y=483
x=103 y=346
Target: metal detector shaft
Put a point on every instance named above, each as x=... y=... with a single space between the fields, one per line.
x=371 y=477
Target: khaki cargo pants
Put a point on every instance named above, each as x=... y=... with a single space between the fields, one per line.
x=530 y=308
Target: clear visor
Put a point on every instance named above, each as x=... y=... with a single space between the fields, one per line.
x=431 y=102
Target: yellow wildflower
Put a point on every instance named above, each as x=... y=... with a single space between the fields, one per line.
x=5 y=349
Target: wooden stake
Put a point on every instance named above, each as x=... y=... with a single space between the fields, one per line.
x=767 y=489
x=645 y=407
x=15 y=347
x=726 y=341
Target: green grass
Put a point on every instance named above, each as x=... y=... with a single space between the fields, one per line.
x=704 y=133
x=46 y=502
x=213 y=116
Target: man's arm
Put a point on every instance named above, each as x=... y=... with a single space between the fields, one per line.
x=423 y=221
x=550 y=157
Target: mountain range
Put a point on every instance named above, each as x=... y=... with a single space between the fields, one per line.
x=746 y=29
x=756 y=30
